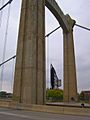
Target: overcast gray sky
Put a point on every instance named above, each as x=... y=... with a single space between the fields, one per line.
x=79 y=11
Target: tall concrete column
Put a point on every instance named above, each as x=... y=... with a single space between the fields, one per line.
x=70 y=82
x=29 y=82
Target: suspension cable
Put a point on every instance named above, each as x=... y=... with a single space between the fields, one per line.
x=83 y=27
x=5 y=43
x=6 y=33
x=12 y=73
x=47 y=60
x=1 y=13
x=7 y=60
x=9 y=2
x=52 y=31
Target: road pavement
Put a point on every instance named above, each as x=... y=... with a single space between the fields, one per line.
x=11 y=114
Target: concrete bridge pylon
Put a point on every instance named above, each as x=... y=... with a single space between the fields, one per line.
x=29 y=81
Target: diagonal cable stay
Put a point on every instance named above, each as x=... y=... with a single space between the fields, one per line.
x=9 y=2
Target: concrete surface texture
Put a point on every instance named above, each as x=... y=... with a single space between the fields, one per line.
x=11 y=114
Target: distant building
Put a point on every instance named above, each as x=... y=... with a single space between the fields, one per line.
x=86 y=95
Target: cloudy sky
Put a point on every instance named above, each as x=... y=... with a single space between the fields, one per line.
x=79 y=11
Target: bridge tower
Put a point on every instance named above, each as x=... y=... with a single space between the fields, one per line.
x=70 y=80
x=29 y=81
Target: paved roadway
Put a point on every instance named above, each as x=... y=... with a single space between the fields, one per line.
x=11 y=114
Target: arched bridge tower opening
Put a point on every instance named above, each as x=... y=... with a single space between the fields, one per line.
x=29 y=81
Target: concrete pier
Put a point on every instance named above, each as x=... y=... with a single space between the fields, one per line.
x=29 y=82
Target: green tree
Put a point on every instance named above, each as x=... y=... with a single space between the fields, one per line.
x=54 y=95
x=81 y=96
x=3 y=94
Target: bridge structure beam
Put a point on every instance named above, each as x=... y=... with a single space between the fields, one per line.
x=70 y=80
x=58 y=13
x=29 y=81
